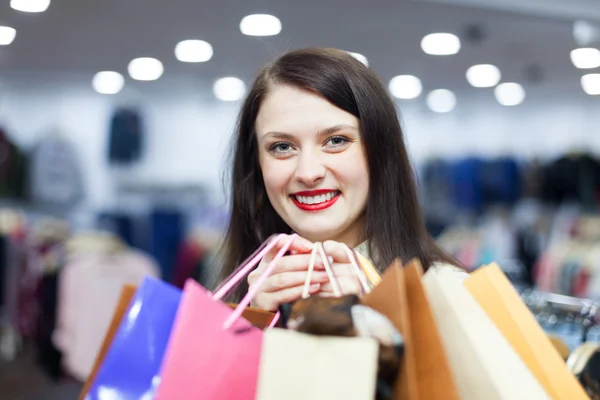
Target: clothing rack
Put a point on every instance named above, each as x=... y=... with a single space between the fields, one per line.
x=552 y=308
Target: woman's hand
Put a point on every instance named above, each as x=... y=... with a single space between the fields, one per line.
x=343 y=271
x=286 y=282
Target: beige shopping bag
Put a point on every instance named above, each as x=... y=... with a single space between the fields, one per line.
x=498 y=298
x=299 y=366
x=485 y=365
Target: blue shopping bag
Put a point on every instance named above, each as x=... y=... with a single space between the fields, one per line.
x=132 y=364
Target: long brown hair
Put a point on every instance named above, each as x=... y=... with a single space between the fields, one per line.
x=394 y=223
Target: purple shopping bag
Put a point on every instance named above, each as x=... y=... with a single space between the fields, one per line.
x=213 y=352
x=132 y=363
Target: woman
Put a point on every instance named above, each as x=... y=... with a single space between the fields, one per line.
x=319 y=151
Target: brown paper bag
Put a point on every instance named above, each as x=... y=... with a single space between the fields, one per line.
x=299 y=366
x=434 y=375
x=257 y=317
x=483 y=363
x=498 y=298
x=425 y=372
x=390 y=299
x=123 y=304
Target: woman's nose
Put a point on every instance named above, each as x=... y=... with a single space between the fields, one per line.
x=310 y=169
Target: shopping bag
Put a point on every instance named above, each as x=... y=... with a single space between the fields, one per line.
x=124 y=300
x=258 y=317
x=298 y=366
x=484 y=364
x=503 y=305
x=425 y=372
x=432 y=368
x=130 y=368
x=213 y=352
x=389 y=297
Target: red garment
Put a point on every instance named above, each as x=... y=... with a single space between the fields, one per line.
x=190 y=253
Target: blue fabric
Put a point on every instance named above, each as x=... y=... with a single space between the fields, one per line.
x=167 y=234
x=501 y=181
x=132 y=364
x=466 y=183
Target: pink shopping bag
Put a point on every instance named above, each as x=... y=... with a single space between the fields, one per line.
x=213 y=352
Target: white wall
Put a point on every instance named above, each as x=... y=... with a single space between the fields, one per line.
x=188 y=131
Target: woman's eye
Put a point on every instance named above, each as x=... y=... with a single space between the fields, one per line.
x=337 y=141
x=280 y=147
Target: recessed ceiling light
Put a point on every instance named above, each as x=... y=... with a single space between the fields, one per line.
x=229 y=89
x=145 y=69
x=441 y=100
x=7 y=35
x=586 y=58
x=32 y=6
x=260 y=25
x=360 y=58
x=405 y=87
x=509 y=94
x=591 y=84
x=440 y=44
x=483 y=75
x=193 y=51
x=108 y=82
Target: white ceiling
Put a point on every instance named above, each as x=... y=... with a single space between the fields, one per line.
x=82 y=37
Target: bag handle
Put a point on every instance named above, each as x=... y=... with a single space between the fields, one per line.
x=359 y=271
x=237 y=313
x=311 y=267
x=371 y=273
x=334 y=282
x=246 y=267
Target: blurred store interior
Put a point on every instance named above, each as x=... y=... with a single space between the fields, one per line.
x=116 y=116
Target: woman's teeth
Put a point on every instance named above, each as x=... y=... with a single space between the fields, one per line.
x=316 y=199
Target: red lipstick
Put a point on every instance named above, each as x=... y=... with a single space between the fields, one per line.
x=315 y=207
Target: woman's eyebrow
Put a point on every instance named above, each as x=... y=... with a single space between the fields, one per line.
x=323 y=132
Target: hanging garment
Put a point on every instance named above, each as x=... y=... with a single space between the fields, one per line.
x=466 y=184
x=573 y=178
x=126 y=137
x=500 y=182
x=55 y=174
x=167 y=233
x=13 y=169
x=49 y=356
x=90 y=285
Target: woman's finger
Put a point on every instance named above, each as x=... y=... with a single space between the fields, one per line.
x=286 y=280
x=337 y=251
x=271 y=301
x=298 y=262
x=348 y=285
x=299 y=245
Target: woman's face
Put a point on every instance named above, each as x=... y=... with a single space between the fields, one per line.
x=313 y=164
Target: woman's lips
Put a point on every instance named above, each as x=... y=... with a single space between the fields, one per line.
x=316 y=200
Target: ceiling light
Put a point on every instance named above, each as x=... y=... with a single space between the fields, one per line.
x=585 y=33
x=591 y=84
x=145 y=69
x=483 y=75
x=360 y=58
x=108 y=82
x=440 y=44
x=509 y=94
x=260 y=25
x=441 y=100
x=586 y=58
x=7 y=35
x=33 y=6
x=193 y=51
x=229 y=89
x=405 y=87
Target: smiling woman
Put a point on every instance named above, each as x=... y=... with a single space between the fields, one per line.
x=319 y=151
